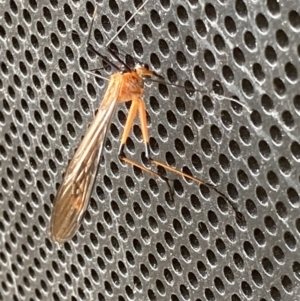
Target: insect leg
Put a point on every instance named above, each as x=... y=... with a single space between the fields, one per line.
x=139 y=105
x=238 y=214
x=143 y=120
x=128 y=124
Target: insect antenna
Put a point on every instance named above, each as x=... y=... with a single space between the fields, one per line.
x=90 y=46
x=103 y=57
x=126 y=23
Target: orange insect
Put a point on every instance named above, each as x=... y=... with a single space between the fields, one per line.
x=74 y=193
x=75 y=190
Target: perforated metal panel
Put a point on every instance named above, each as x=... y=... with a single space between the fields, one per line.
x=135 y=242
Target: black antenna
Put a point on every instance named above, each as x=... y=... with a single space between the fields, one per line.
x=104 y=58
x=92 y=48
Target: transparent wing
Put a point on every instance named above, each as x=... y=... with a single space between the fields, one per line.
x=75 y=190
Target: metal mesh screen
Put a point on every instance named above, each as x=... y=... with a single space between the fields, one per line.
x=135 y=242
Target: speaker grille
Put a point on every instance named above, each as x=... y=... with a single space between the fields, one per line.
x=135 y=242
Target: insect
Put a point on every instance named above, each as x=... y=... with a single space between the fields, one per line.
x=75 y=190
x=74 y=193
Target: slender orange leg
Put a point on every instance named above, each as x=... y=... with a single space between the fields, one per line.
x=144 y=128
x=129 y=121
x=137 y=104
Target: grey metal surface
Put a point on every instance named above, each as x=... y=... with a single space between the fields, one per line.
x=135 y=243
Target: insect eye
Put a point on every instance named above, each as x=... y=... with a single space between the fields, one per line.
x=146 y=66
x=123 y=70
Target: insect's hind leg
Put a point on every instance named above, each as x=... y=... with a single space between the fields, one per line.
x=137 y=105
x=239 y=216
x=123 y=158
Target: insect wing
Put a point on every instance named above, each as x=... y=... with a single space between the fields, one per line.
x=74 y=193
